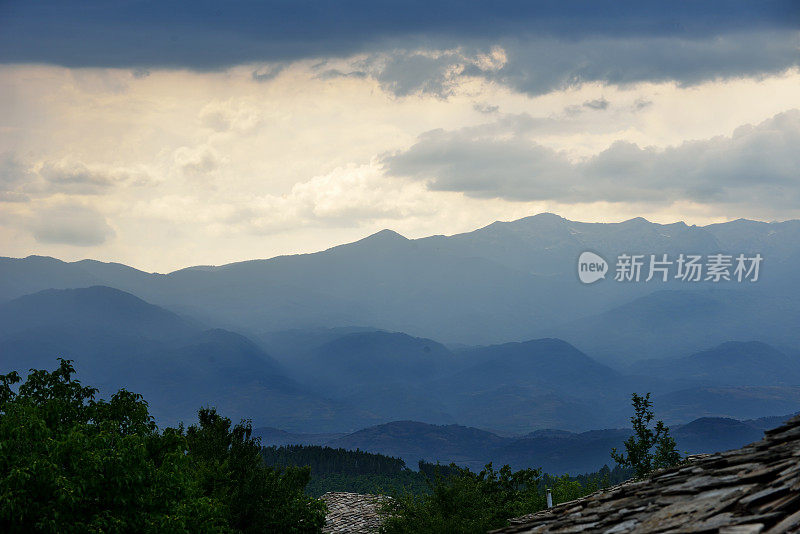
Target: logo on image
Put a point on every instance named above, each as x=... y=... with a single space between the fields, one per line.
x=591 y=267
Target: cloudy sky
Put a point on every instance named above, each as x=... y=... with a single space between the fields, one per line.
x=167 y=134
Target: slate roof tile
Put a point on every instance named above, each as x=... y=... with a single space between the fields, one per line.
x=352 y=513
x=752 y=490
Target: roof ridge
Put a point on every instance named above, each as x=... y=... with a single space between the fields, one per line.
x=789 y=424
x=754 y=486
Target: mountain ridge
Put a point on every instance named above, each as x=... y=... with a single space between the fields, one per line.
x=120 y=341
x=389 y=232
x=507 y=281
x=556 y=451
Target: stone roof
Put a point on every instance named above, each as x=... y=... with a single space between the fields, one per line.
x=755 y=489
x=352 y=513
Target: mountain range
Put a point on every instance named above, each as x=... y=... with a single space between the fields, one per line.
x=116 y=340
x=509 y=281
x=556 y=451
x=346 y=379
x=489 y=329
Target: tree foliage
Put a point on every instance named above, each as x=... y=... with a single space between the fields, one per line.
x=72 y=463
x=327 y=460
x=648 y=448
x=464 y=502
x=459 y=501
x=229 y=468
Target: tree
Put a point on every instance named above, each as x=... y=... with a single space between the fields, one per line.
x=71 y=463
x=230 y=468
x=465 y=502
x=647 y=449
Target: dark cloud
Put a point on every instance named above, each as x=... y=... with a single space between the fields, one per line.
x=597 y=104
x=70 y=224
x=20 y=181
x=330 y=74
x=654 y=59
x=268 y=72
x=538 y=65
x=420 y=73
x=483 y=107
x=75 y=179
x=13 y=196
x=549 y=44
x=13 y=175
x=197 y=162
x=757 y=164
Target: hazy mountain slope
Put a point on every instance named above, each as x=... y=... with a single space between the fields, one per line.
x=517 y=387
x=277 y=437
x=507 y=281
x=556 y=451
x=119 y=273
x=773 y=421
x=289 y=345
x=560 y=453
x=670 y=324
x=518 y=409
x=730 y=364
x=383 y=281
x=398 y=401
x=354 y=360
x=118 y=340
x=21 y=276
x=383 y=372
x=548 y=362
x=514 y=387
x=97 y=307
x=736 y=402
x=712 y=434
x=549 y=244
x=777 y=242
x=413 y=441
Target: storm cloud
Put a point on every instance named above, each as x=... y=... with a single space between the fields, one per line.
x=424 y=46
x=757 y=163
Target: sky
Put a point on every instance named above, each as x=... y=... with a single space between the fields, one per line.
x=167 y=134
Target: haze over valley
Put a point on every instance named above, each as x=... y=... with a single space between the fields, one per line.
x=489 y=330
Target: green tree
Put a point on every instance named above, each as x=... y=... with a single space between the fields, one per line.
x=566 y=488
x=648 y=448
x=71 y=463
x=465 y=502
x=230 y=468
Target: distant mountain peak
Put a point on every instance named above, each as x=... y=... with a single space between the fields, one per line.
x=542 y=218
x=385 y=240
x=547 y=215
x=42 y=259
x=96 y=308
x=637 y=220
x=385 y=235
x=539 y=223
x=102 y=294
x=741 y=221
